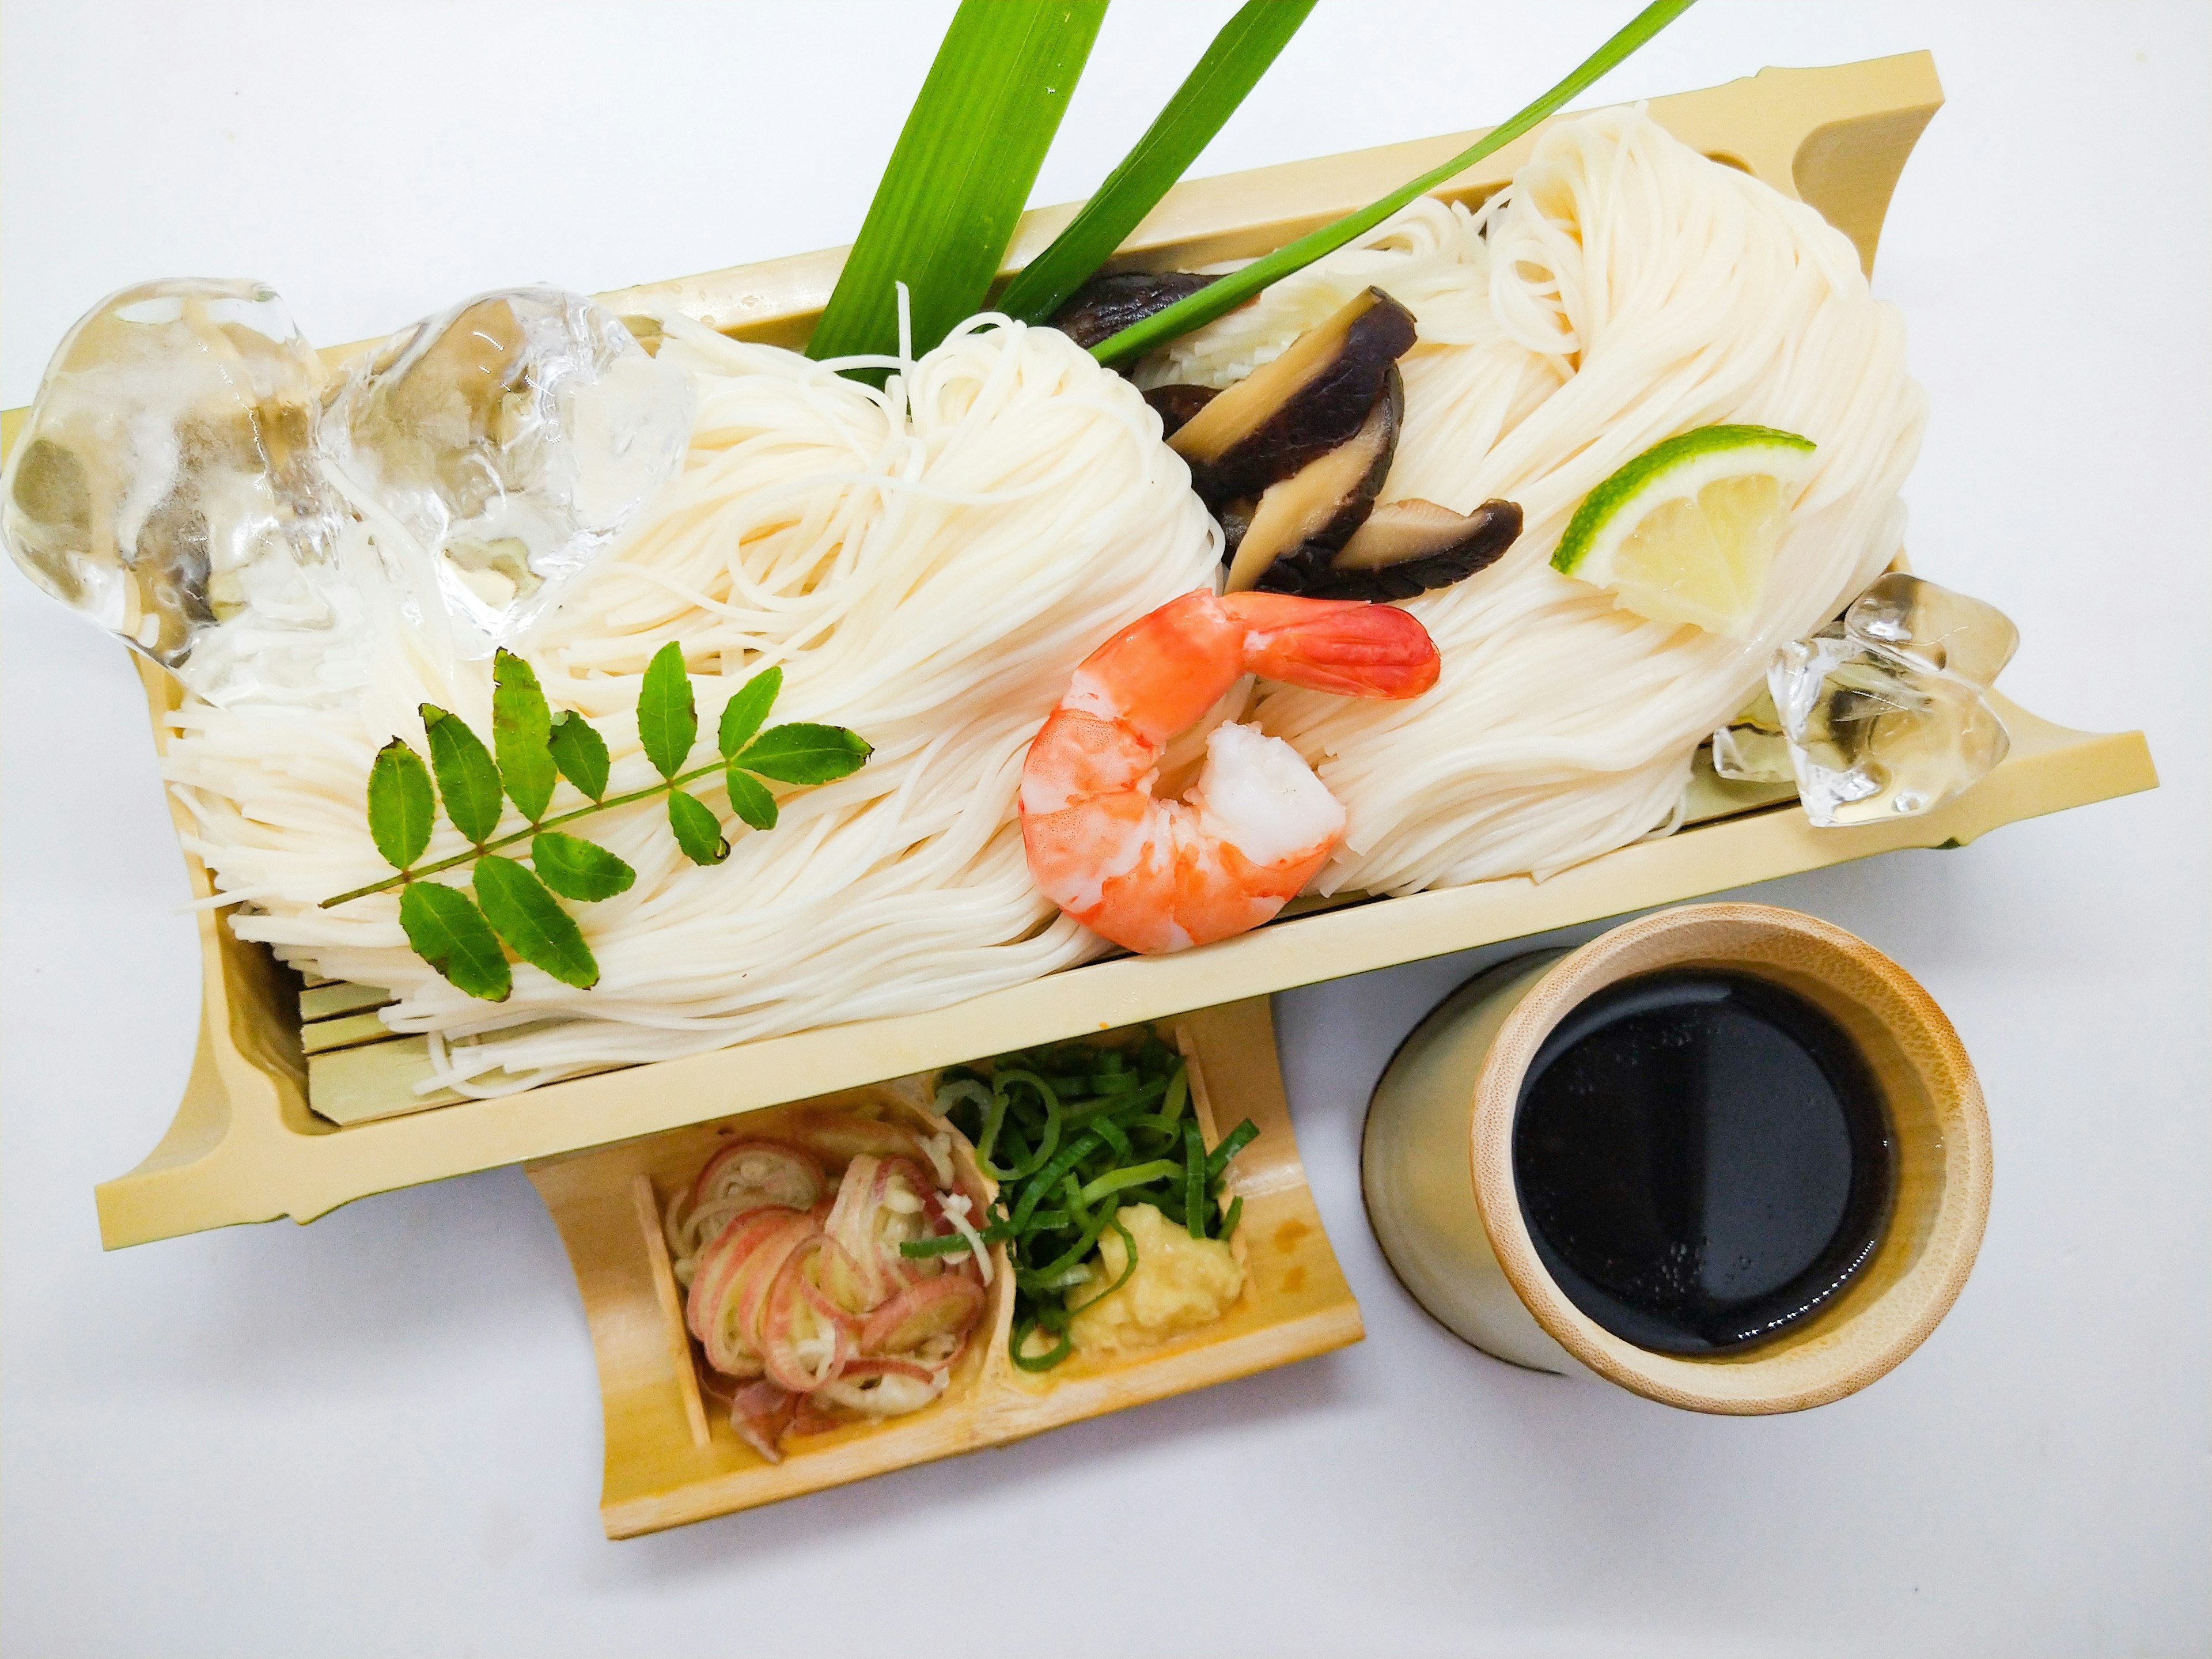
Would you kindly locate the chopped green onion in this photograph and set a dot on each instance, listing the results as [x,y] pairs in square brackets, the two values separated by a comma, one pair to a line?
[992,1118]
[1229,1221]
[1193,1196]
[1136,1174]
[946,1244]
[1049,1141]
[1178,1093]
[1110,1131]
[1231,1144]
[1018,1345]
[1218,298]
[1039,1185]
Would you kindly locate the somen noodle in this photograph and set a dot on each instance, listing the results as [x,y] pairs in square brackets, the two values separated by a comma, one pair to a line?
[928,562]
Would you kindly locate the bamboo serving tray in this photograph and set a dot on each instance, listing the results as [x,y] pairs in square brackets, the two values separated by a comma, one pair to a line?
[299,1101]
[671,1457]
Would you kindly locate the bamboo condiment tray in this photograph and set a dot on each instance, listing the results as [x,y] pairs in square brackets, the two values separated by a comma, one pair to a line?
[673,1458]
[293,1111]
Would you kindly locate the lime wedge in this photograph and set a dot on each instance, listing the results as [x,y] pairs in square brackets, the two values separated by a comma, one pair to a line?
[1686,533]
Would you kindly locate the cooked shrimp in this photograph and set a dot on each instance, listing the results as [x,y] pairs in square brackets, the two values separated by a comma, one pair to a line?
[1160,875]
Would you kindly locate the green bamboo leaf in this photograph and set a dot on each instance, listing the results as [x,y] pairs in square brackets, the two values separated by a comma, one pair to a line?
[532,922]
[750,800]
[401,808]
[1239,56]
[521,730]
[576,868]
[742,714]
[698,832]
[961,173]
[1232,290]
[579,751]
[803,752]
[450,933]
[467,778]
[667,718]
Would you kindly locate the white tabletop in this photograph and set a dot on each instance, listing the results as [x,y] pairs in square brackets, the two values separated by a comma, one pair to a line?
[380,1435]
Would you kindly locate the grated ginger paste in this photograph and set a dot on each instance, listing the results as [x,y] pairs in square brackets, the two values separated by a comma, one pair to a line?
[1180,1283]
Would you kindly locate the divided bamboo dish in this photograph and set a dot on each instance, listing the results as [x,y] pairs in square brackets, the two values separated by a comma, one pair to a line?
[299,1100]
[672,1456]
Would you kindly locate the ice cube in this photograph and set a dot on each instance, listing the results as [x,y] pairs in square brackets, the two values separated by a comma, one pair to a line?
[1752,748]
[165,483]
[514,436]
[1933,628]
[1884,710]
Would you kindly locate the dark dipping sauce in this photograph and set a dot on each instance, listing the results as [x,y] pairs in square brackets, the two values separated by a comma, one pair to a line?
[1703,1159]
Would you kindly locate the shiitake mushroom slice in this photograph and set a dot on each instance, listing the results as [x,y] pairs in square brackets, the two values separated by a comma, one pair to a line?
[1305,518]
[1296,409]
[1404,548]
[1176,404]
[1104,306]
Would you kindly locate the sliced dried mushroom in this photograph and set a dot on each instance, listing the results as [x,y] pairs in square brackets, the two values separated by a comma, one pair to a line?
[1299,407]
[1404,548]
[1308,516]
[1176,404]
[1104,306]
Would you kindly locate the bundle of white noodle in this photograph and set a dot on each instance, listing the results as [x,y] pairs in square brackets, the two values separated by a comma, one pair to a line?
[1621,290]
[927,566]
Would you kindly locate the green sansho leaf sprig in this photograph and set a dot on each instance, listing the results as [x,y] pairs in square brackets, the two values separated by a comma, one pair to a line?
[509,905]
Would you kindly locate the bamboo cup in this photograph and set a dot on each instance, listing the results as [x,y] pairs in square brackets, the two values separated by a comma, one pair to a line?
[1438,1162]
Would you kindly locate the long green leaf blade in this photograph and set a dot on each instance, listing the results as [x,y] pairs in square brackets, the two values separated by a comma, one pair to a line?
[579,751]
[960,174]
[803,752]
[750,800]
[451,934]
[521,733]
[1232,66]
[742,714]
[401,808]
[578,869]
[1232,290]
[466,777]
[668,718]
[698,832]
[531,920]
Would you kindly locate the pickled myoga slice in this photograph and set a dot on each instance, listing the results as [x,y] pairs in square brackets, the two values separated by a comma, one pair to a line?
[827,1301]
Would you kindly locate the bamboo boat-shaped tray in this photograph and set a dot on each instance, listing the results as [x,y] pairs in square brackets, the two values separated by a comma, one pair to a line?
[672,1457]
[300,1100]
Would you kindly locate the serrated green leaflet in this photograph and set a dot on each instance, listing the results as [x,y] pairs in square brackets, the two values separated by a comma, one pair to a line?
[1601,504]
[579,751]
[803,752]
[531,920]
[521,728]
[401,808]
[742,714]
[960,174]
[450,933]
[750,800]
[698,832]
[578,869]
[467,780]
[1239,54]
[1218,298]
[668,718]
[512,902]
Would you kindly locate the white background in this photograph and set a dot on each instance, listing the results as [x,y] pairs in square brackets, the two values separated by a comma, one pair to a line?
[380,1435]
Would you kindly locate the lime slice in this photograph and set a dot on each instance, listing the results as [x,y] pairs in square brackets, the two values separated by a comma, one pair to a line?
[1686,533]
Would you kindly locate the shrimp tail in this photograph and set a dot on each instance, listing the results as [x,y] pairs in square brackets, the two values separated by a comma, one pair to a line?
[1344,646]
